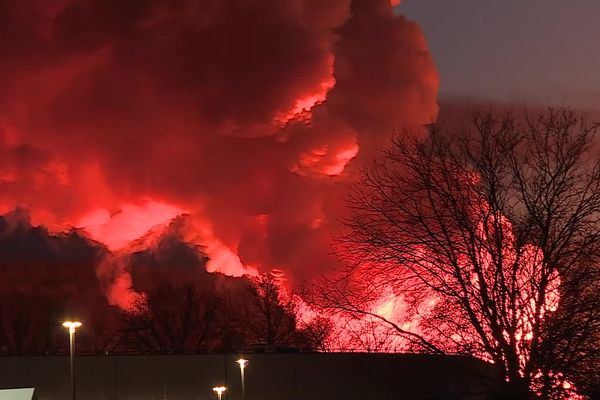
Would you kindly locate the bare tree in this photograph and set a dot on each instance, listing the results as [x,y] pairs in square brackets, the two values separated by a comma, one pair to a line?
[489,235]
[269,314]
[173,319]
[315,334]
[271,317]
[28,324]
[102,333]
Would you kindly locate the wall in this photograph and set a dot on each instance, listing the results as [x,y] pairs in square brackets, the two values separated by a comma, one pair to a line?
[268,376]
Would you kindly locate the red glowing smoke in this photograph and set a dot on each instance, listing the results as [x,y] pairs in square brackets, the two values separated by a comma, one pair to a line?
[248,117]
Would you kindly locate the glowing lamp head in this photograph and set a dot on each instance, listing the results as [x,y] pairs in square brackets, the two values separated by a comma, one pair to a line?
[242,362]
[219,390]
[72,325]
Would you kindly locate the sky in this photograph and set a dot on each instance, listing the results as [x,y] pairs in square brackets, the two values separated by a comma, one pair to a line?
[236,125]
[534,51]
[239,127]
[146,143]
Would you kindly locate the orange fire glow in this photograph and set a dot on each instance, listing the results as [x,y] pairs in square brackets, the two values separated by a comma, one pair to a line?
[303,106]
[392,307]
[252,139]
[129,222]
[326,161]
[223,257]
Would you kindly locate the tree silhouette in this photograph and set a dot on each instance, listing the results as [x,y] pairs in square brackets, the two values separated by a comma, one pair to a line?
[488,237]
[271,318]
[269,313]
[173,320]
[29,324]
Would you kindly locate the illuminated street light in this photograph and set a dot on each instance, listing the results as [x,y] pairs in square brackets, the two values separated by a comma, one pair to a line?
[219,391]
[242,363]
[72,325]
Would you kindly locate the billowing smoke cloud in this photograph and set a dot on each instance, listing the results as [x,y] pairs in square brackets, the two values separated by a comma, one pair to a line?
[248,117]
[46,278]
[33,260]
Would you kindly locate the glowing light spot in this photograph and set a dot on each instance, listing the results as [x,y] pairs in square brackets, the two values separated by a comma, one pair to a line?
[116,279]
[95,218]
[302,107]
[324,161]
[317,222]
[342,158]
[307,103]
[222,257]
[129,222]
[386,309]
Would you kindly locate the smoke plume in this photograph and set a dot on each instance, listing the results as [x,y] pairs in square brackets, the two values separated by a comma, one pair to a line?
[242,121]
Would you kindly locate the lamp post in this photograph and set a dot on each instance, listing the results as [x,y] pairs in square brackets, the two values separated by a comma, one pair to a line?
[219,391]
[242,363]
[72,325]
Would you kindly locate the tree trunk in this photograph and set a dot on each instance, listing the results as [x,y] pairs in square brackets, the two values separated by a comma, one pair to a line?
[517,389]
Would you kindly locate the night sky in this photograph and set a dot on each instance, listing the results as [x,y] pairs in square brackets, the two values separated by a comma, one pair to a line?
[543,52]
[230,176]
[146,142]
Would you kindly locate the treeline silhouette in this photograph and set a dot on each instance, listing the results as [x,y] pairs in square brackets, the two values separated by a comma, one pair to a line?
[47,278]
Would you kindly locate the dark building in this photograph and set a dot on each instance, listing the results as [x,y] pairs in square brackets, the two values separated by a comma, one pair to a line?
[319,376]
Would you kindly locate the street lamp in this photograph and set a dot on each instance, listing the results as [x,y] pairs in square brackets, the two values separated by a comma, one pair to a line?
[219,390]
[242,363]
[72,325]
